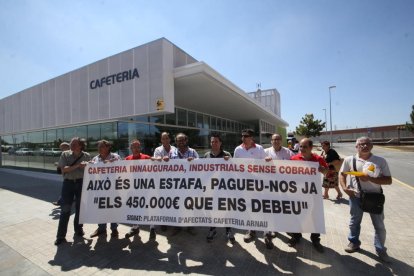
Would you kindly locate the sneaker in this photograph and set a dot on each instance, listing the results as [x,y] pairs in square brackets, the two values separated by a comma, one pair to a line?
[268,241]
[318,246]
[292,242]
[152,235]
[132,232]
[211,235]
[384,256]
[98,233]
[351,248]
[114,233]
[249,236]
[60,241]
[230,237]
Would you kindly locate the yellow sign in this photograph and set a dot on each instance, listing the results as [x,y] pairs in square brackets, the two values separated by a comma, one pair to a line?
[160,104]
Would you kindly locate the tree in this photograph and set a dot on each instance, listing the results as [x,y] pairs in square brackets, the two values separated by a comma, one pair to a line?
[410,126]
[309,127]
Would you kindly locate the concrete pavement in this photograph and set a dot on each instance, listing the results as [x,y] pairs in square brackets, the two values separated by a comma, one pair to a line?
[28,225]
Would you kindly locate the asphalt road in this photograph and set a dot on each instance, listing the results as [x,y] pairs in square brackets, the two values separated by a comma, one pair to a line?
[401,162]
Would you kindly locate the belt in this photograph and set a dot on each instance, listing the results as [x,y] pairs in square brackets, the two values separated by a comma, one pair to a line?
[74,180]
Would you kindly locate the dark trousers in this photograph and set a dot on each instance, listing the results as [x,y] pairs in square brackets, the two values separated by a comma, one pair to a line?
[71,190]
[315,237]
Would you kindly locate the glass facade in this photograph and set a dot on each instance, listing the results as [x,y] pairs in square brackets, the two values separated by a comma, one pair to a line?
[40,149]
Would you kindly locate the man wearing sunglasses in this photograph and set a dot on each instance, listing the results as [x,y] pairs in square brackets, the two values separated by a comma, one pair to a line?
[249,149]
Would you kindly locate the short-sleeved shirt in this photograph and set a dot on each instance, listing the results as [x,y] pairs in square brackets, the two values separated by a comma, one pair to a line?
[282,154]
[314,158]
[111,157]
[255,152]
[222,154]
[140,156]
[161,152]
[188,153]
[67,158]
[331,155]
[367,186]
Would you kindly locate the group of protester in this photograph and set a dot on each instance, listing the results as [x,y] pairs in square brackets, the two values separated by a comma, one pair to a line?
[73,161]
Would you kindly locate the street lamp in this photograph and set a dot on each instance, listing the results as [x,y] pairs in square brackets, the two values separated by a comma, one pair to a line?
[326,123]
[330,109]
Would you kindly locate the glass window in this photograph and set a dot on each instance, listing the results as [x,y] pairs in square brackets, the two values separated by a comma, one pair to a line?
[219,124]
[70,132]
[213,123]
[191,119]
[206,120]
[182,117]
[94,132]
[170,119]
[157,119]
[200,123]
[109,131]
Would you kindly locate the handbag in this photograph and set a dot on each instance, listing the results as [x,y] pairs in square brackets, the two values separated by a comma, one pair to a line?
[370,202]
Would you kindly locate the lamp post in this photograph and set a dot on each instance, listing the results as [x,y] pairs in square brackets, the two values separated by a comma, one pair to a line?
[326,124]
[330,109]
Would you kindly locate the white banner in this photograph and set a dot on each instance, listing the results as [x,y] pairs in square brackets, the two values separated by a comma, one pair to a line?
[283,196]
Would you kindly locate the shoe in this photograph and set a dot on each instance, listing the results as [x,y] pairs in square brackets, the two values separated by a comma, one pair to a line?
[249,236]
[268,241]
[152,235]
[55,203]
[318,246]
[273,234]
[230,237]
[384,256]
[339,196]
[114,233]
[351,248]
[60,241]
[211,235]
[191,231]
[80,233]
[98,233]
[292,242]
[132,232]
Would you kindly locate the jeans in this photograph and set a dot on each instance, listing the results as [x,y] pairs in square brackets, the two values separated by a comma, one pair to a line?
[71,190]
[102,226]
[355,225]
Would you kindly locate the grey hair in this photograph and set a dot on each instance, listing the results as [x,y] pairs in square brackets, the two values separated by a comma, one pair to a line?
[363,138]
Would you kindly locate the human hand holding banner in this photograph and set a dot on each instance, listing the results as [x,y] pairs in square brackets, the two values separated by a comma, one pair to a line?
[242,193]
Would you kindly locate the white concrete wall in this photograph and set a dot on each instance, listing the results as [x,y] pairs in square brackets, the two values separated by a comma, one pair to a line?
[68,99]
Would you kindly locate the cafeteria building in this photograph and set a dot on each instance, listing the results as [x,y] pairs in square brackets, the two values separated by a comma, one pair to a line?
[138,93]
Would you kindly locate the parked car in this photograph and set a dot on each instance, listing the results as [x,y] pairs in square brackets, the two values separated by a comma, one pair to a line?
[24,151]
[52,152]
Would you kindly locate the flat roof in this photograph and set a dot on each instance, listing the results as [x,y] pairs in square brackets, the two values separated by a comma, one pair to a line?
[199,87]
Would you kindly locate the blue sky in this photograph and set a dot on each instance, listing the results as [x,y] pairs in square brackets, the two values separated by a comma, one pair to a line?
[363,47]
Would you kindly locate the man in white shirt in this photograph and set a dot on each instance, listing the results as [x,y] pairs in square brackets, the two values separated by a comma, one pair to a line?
[249,149]
[275,152]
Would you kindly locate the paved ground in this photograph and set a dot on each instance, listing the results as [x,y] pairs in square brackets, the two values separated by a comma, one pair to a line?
[28,225]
